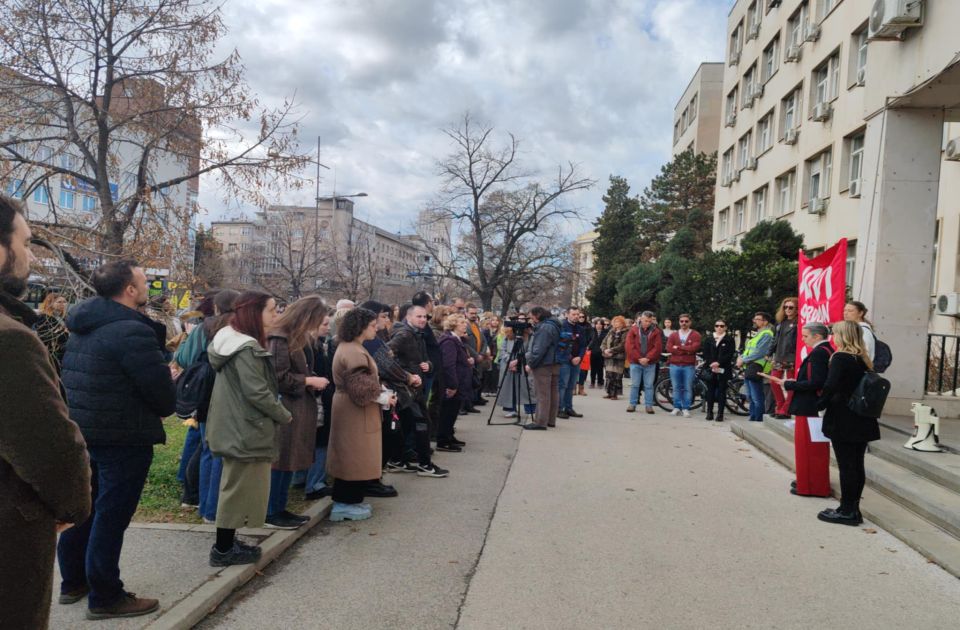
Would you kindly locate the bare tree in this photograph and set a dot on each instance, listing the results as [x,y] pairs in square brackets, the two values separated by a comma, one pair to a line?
[289,258]
[123,101]
[499,208]
[351,268]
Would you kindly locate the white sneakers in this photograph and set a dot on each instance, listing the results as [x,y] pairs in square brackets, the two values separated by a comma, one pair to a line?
[675,412]
[685,413]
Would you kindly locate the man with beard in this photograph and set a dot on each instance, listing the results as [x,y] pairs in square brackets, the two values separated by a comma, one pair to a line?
[44,474]
[119,390]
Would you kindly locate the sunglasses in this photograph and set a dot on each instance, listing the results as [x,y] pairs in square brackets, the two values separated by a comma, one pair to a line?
[789,307]
[719,325]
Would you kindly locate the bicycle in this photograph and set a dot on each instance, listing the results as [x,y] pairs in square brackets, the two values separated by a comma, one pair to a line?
[736,401]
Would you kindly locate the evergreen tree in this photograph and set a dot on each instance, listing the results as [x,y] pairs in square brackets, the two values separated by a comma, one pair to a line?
[615,249]
[680,196]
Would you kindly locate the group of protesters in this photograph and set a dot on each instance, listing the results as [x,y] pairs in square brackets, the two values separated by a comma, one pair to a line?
[301,395]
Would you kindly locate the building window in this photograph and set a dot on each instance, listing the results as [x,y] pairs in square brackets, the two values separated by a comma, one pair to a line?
[753,20]
[45,155]
[40,194]
[749,83]
[15,188]
[765,133]
[797,24]
[67,161]
[692,108]
[736,43]
[819,170]
[732,103]
[789,107]
[826,80]
[826,6]
[66,199]
[785,185]
[856,158]
[683,121]
[851,266]
[759,205]
[723,229]
[858,59]
[89,203]
[739,215]
[726,172]
[676,131]
[771,58]
[743,150]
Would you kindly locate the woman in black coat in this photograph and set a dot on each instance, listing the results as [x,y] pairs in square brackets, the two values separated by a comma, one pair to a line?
[849,431]
[719,353]
[600,331]
[812,458]
[456,376]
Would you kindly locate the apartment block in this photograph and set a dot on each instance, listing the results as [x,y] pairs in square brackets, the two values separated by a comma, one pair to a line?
[696,117]
[838,116]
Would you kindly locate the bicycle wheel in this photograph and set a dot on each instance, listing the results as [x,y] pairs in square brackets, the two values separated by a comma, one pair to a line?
[699,394]
[663,395]
[737,403]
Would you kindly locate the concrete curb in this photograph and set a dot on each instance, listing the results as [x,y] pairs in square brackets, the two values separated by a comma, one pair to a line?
[204,600]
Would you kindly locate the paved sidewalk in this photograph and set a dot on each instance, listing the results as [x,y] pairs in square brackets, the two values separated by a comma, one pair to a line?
[625,520]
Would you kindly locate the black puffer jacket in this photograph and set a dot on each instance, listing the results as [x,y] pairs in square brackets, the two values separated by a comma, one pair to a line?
[118,384]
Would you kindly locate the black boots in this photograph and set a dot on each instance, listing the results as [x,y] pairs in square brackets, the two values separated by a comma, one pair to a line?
[709,412]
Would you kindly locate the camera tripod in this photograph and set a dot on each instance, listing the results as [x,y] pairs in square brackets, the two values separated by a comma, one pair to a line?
[517,353]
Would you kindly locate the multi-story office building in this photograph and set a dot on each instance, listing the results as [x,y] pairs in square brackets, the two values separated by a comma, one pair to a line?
[837,118]
[583,267]
[696,117]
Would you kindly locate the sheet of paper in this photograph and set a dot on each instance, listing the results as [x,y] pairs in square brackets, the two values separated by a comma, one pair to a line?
[815,425]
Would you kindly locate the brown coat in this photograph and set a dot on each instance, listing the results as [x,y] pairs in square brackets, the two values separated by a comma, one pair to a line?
[297,440]
[44,470]
[354,450]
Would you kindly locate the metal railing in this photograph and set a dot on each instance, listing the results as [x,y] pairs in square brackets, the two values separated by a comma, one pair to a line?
[943,360]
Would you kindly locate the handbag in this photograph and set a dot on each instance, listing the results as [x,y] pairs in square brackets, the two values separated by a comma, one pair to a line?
[751,371]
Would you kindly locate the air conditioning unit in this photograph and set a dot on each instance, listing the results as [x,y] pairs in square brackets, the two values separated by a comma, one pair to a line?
[812,33]
[731,119]
[890,18]
[793,54]
[753,32]
[855,185]
[818,206]
[822,111]
[790,136]
[757,90]
[725,181]
[948,304]
[735,177]
[862,76]
[747,100]
[953,150]
[734,58]
[751,165]
[733,241]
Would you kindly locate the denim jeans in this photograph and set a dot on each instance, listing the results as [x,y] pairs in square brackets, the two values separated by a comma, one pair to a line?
[647,374]
[89,554]
[210,469]
[757,400]
[190,445]
[317,475]
[681,377]
[569,374]
[279,491]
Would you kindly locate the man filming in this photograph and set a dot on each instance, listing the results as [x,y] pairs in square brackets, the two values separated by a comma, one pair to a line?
[542,364]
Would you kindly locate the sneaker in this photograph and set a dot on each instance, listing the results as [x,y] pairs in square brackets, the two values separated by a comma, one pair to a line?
[686,413]
[649,409]
[510,414]
[209,521]
[129,605]
[410,467]
[189,505]
[393,466]
[449,447]
[562,414]
[631,408]
[74,596]
[279,521]
[239,554]
[297,517]
[350,512]
[675,412]
[431,470]
[574,414]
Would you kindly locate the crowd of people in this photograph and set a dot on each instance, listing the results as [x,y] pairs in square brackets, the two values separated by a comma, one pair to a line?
[300,395]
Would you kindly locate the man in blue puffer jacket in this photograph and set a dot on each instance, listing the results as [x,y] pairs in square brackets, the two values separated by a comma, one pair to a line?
[118,390]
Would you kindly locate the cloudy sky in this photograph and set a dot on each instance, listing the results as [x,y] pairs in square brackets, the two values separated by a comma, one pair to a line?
[588,81]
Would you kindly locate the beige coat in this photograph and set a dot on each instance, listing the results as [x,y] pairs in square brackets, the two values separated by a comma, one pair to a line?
[354,450]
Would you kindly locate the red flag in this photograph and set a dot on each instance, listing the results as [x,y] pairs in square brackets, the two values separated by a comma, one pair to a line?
[823,289]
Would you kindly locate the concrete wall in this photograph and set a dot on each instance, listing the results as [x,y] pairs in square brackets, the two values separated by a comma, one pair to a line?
[700,132]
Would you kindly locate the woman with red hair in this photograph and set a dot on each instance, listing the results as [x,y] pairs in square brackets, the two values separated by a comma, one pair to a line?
[242,421]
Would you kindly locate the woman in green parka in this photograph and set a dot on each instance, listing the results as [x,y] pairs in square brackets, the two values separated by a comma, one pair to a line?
[244,412]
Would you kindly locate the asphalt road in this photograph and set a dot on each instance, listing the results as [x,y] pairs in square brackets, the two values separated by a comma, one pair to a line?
[615,520]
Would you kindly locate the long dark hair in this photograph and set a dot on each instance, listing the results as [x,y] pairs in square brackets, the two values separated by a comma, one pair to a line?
[247,315]
[300,320]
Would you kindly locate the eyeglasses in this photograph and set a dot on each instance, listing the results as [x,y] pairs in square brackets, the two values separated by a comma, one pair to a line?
[789,307]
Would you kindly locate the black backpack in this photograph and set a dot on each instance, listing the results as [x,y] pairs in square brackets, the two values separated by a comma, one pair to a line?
[882,356]
[194,388]
[869,396]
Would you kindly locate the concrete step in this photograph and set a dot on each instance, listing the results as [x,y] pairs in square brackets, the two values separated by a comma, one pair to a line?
[927,483]
[936,543]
